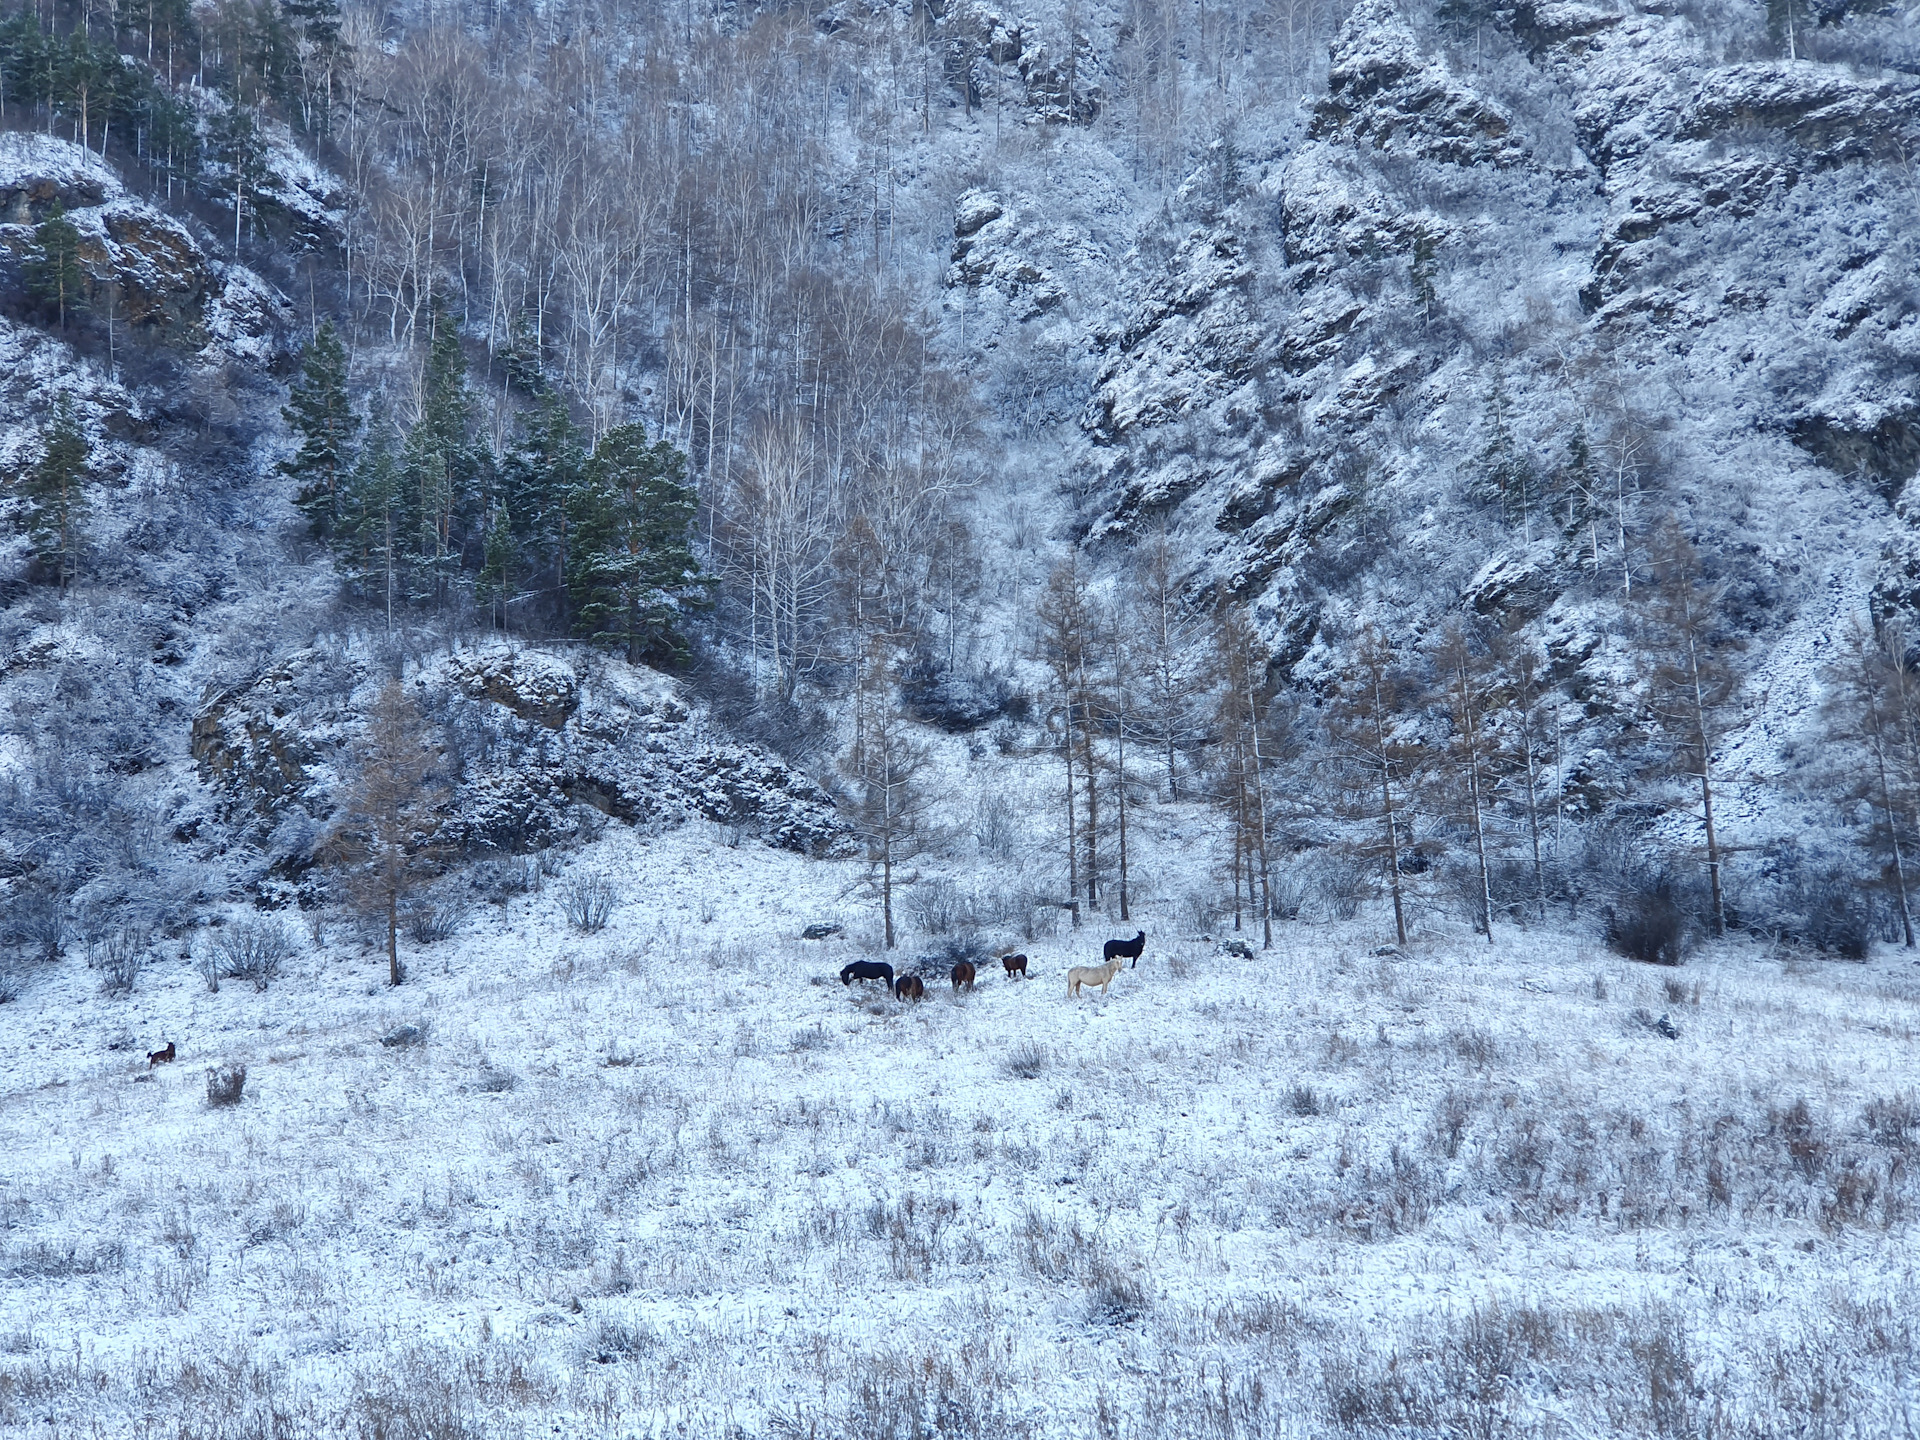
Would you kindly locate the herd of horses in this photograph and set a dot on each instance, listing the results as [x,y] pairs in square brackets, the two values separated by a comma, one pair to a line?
[963,974]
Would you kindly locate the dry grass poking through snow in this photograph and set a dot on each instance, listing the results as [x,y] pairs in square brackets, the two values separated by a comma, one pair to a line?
[658,1181]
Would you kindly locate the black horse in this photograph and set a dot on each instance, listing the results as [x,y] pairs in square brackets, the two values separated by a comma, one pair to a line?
[1127,949]
[867,970]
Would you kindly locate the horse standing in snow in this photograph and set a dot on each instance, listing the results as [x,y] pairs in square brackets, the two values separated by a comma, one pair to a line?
[867,970]
[910,987]
[963,974]
[1016,966]
[1101,975]
[1126,949]
[160,1057]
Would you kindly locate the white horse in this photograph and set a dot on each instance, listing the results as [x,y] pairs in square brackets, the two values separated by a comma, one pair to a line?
[1101,975]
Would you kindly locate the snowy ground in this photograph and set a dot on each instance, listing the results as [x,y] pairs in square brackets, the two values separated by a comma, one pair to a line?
[674,1179]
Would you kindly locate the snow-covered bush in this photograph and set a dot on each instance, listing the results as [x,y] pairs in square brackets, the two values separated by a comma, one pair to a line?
[119,957]
[590,901]
[251,950]
[1647,928]
[433,918]
[224,1084]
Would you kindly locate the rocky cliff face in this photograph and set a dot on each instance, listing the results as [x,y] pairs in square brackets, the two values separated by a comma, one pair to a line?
[534,747]
[1624,230]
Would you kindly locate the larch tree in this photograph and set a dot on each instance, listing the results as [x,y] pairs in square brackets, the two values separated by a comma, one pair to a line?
[1525,694]
[383,842]
[1167,637]
[1241,716]
[1691,679]
[1068,646]
[1466,679]
[1373,698]
[1873,703]
[886,771]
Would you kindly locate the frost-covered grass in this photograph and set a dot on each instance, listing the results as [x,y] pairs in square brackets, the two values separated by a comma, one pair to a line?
[673,1178]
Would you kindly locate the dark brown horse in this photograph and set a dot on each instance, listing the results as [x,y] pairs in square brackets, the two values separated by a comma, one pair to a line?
[160,1057]
[910,987]
[1016,966]
[963,975]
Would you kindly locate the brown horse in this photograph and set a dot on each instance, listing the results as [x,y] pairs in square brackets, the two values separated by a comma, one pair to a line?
[1016,966]
[963,975]
[910,987]
[160,1057]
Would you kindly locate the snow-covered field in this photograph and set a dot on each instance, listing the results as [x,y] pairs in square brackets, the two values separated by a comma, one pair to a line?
[672,1178]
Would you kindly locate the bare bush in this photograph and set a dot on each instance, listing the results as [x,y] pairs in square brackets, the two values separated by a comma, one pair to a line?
[1647,928]
[119,957]
[937,906]
[590,901]
[224,1084]
[1026,1062]
[36,920]
[252,950]
[434,918]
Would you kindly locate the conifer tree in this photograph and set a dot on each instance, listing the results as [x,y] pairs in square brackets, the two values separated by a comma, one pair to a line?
[1465,672]
[544,463]
[493,587]
[632,569]
[441,468]
[1692,678]
[319,409]
[52,271]
[1365,717]
[384,841]
[371,531]
[892,806]
[1874,703]
[55,496]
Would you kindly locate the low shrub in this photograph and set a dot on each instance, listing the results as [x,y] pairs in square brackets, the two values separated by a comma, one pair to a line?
[119,958]
[224,1084]
[1647,928]
[590,902]
[252,950]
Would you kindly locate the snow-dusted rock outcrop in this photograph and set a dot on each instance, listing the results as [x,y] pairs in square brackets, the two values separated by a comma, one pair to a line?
[144,270]
[527,739]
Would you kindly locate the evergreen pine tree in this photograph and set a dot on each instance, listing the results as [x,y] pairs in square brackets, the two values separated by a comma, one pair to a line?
[632,569]
[371,527]
[318,408]
[494,586]
[544,463]
[55,494]
[52,270]
[441,468]
[1503,473]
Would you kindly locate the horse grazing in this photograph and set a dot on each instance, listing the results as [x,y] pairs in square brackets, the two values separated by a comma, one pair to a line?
[867,970]
[910,987]
[1101,975]
[1016,966]
[1126,949]
[160,1057]
[963,975]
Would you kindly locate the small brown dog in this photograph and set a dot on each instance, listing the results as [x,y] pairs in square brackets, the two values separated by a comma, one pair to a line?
[160,1057]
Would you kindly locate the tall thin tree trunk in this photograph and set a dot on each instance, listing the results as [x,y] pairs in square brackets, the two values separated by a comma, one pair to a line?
[1893,832]
[394,976]
[1386,808]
